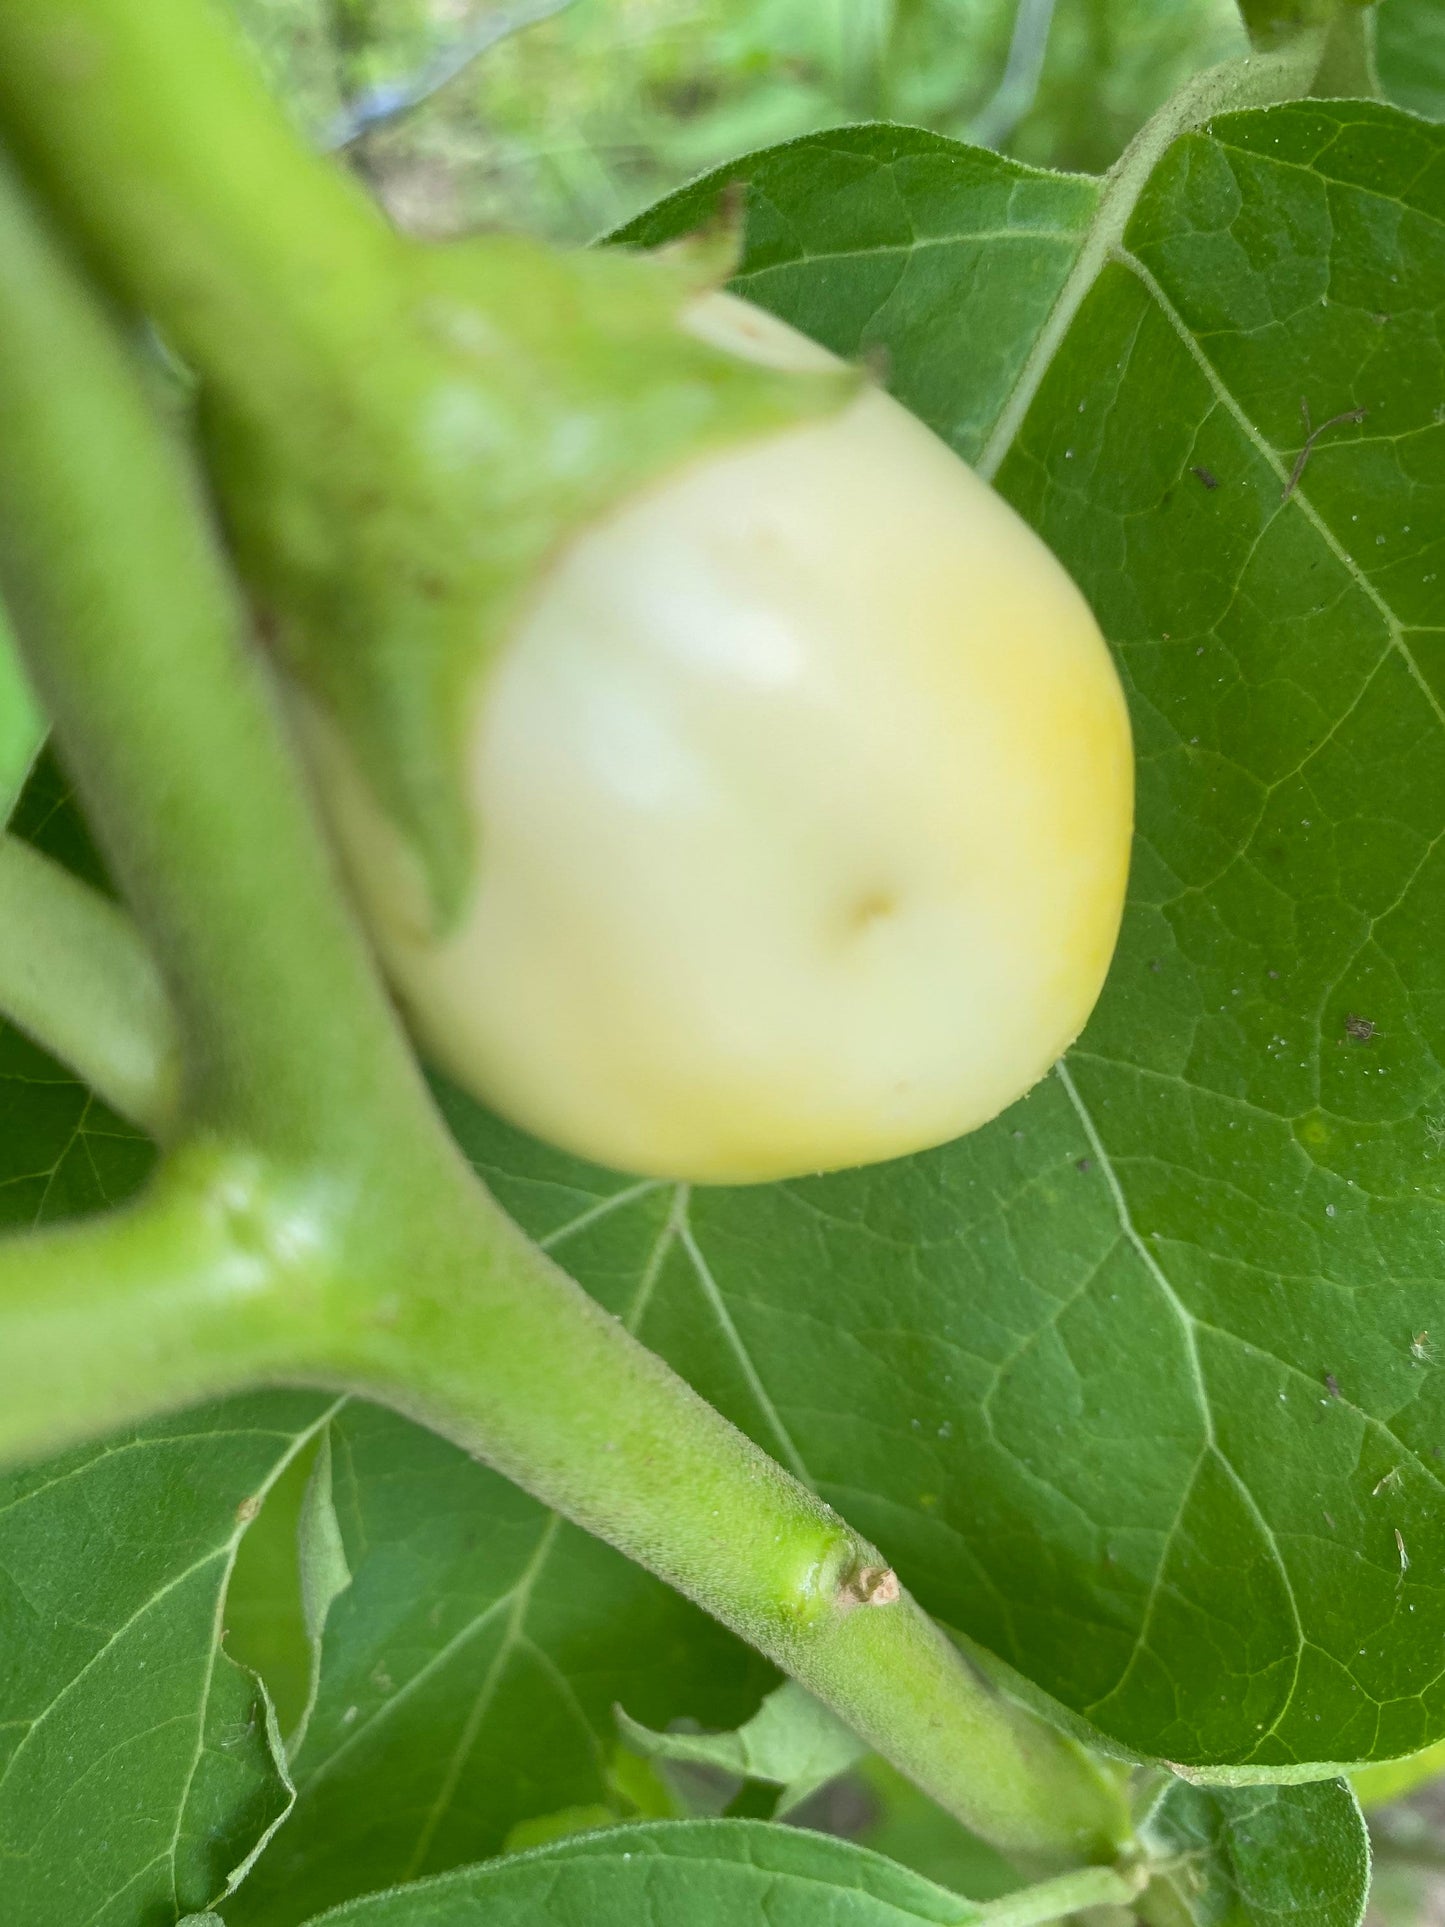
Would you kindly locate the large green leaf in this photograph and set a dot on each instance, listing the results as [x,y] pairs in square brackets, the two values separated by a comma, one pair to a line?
[1136,1385]
[1243,1856]
[727,1873]
[139,1767]
[1252,1857]
[469,1670]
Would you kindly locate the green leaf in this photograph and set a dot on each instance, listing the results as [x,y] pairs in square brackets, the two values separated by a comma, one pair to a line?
[265,1623]
[468,1672]
[946,259]
[728,1873]
[139,1767]
[324,1573]
[1260,1857]
[1410,53]
[1136,1386]
[792,1741]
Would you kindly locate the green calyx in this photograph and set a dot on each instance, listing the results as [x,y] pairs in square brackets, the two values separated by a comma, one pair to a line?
[392,527]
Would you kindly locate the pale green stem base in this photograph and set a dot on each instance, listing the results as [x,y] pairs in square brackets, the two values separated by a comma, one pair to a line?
[170,1299]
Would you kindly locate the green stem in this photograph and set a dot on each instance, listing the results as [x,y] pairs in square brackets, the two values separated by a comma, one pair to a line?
[228,1275]
[21,729]
[152,133]
[136,647]
[76,977]
[1389,1780]
[1346,63]
[1071,1893]
[172,1299]
[1347,68]
[475,1332]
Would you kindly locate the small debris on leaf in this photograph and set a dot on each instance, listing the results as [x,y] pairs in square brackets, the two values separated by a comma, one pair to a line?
[1312,435]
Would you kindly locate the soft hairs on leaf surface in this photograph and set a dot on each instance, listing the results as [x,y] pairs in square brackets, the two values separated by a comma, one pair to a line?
[1296,1856]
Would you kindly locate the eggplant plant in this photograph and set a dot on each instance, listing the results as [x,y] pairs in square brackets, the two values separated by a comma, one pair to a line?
[635,1289]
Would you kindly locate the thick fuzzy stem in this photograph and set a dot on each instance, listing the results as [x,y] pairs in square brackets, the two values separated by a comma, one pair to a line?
[135,642]
[153,135]
[174,1298]
[490,1344]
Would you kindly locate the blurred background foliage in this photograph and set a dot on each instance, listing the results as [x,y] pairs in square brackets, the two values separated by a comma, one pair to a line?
[583,112]
[578,121]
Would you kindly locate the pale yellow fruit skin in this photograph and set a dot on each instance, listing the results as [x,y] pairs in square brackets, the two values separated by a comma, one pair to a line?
[805,792]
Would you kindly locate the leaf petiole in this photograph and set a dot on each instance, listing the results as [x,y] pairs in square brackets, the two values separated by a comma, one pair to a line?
[76,976]
[1069,1893]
